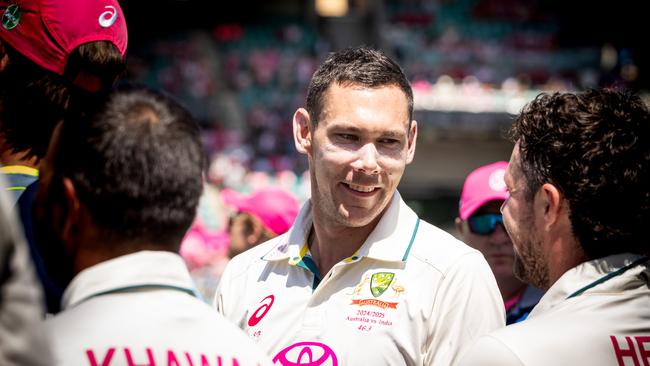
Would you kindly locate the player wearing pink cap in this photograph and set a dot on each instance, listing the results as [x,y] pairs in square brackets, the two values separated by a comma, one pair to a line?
[359,279]
[54,55]
[480,225]
[260,216]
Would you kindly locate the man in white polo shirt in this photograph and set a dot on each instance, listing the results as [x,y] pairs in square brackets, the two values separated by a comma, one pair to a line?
[579,207]
[119,188]
[359,279]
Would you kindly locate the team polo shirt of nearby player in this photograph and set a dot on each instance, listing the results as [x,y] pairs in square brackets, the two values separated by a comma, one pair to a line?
[597,313]
[140,309]
[19,177]
[411,295]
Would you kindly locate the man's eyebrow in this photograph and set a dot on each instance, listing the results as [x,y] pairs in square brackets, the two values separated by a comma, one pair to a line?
[395,134]
[350,127]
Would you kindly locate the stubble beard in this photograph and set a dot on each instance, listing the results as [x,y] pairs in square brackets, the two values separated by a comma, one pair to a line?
[529,264]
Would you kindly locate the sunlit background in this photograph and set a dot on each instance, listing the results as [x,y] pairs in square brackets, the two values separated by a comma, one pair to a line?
[242,67]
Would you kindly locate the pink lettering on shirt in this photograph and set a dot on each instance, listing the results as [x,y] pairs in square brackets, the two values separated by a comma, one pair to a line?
[129,358]
[623,353]
[136,358]
[645,352]
[105,361]
[171,359]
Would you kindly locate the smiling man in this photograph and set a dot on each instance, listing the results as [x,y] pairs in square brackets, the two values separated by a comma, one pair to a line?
[359,279]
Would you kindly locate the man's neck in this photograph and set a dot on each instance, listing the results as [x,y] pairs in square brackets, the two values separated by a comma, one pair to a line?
[566,253]
[330,244]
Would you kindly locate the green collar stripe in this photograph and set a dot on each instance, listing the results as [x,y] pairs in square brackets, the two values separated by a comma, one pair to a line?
[609,276]
[144,287]
[308,264]
[408,249]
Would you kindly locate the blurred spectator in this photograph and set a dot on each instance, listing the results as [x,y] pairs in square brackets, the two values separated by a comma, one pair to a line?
[258,217]
[205,247]
[480,225]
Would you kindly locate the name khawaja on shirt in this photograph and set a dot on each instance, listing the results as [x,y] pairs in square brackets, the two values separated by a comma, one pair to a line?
[171,358]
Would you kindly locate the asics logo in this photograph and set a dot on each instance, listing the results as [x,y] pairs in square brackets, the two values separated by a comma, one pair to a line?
[108,18]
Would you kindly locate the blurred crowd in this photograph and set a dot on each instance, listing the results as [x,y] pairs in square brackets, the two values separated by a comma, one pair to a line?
[243,81]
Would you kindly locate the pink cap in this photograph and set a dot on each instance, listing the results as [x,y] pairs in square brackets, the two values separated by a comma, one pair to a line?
[483,185]
[47,31]
[275,207]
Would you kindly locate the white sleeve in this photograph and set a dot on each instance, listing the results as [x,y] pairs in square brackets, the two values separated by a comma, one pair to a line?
[223,290]
[468,305]
[489,351]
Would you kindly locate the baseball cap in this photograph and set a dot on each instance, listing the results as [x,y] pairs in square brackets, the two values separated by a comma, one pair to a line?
[275,207]
[47,31]
[483,185]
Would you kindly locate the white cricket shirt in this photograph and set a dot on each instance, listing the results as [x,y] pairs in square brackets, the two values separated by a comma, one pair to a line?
[607,324]
[139,309]
[411,295]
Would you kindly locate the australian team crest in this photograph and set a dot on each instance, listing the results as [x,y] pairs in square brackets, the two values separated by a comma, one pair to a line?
[379,282]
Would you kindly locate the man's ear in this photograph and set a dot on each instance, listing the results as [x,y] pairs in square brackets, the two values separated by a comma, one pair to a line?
[73,213]
[412,138]
[549,204]
[302,133]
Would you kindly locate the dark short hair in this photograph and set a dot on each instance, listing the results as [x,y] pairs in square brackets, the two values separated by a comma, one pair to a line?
[34,99]
[595,147]
[356,66]
[136,161]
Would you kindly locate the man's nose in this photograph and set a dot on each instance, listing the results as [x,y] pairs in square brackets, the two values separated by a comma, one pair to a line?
[366,160]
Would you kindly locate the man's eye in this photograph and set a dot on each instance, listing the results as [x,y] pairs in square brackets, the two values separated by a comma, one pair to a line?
[389,142]
[346,137]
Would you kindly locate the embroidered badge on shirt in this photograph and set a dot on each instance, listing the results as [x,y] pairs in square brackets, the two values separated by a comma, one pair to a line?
[379,282]
[369,309]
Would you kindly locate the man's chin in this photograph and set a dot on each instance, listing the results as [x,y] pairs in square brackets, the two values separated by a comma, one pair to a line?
[354,221]
[355,216]
[519,270]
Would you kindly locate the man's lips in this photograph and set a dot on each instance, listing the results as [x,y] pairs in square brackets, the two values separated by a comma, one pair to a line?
[363,190]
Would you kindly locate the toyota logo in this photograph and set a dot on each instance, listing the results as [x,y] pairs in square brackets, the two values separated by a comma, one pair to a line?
[306,354]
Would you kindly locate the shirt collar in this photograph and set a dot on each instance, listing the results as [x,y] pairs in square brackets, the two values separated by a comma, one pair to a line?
[588,272]
[138,269]
[391,239]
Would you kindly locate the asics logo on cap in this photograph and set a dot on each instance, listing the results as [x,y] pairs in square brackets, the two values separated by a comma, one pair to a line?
[496,180]
[108,18]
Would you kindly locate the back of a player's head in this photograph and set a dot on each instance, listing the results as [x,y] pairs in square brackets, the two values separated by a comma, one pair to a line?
[59,51]
[594,146]
[359,66]
[136,163]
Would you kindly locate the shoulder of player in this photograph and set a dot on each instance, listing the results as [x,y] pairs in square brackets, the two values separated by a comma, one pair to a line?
[440,250]
[253,257]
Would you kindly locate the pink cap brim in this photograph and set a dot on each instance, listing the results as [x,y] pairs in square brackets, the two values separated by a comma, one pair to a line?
[471,207]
